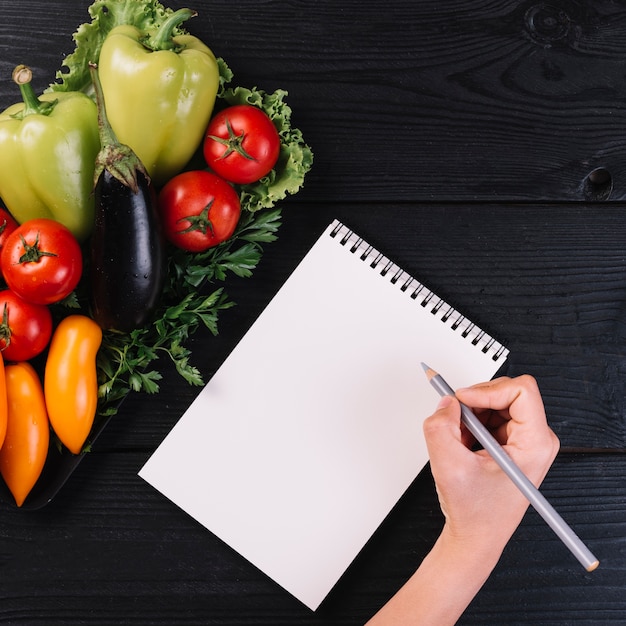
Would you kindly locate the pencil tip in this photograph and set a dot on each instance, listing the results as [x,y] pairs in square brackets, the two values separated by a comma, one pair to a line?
[430,373]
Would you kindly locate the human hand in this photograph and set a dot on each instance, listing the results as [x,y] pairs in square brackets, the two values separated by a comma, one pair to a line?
[481,504]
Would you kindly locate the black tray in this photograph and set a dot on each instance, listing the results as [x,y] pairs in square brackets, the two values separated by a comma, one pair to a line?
[59,466]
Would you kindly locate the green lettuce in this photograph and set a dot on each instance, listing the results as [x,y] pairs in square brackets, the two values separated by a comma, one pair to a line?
[295,158]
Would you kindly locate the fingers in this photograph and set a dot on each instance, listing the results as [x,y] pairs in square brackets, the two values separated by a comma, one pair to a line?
[444,424]
[511,407]
[517,398]
[517,404]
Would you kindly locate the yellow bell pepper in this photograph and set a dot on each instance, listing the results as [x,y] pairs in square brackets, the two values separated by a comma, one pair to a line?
[48,147]
[159,91]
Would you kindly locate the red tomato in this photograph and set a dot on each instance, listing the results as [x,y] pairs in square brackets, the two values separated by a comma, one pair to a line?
[25,328]
[7,225]
[198,210]
[241,144]
[42,261]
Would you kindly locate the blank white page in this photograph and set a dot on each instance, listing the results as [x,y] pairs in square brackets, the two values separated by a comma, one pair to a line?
[311,430]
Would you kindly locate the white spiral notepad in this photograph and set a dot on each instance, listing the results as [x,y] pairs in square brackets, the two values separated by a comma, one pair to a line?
[311,430]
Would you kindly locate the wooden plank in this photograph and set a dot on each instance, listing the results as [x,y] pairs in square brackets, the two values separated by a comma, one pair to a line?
[537,580]
[112,549]
[465,101]
[427,121]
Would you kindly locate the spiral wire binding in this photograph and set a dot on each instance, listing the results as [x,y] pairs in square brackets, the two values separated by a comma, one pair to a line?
[418,292]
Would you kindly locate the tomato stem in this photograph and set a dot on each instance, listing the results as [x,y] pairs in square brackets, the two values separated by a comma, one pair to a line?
[33,254]
[199,222]
[234,143]
[5,328]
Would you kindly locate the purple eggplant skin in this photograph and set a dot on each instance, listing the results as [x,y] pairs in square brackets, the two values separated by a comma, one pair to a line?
[127,259]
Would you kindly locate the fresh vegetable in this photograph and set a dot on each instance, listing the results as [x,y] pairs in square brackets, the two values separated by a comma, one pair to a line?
[146,15]
[295,159]
[198,210]
[130,361]
[70,379]
[25,447]
[127,361]
[160,90]
[25,329]
[241,144]
[3,402]
[127,265]
[7,225]
[48,146]
[42,261]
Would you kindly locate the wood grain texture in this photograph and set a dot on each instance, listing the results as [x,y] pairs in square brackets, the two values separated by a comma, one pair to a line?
[455,100]
[458,138]
[109,550]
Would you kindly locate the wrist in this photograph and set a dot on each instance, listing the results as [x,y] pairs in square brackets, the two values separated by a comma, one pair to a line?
[448,578]
[479,551]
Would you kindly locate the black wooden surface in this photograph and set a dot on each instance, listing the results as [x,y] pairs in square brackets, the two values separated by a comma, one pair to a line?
[464,139]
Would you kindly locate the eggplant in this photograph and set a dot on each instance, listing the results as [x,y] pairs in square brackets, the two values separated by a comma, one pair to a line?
[127,261]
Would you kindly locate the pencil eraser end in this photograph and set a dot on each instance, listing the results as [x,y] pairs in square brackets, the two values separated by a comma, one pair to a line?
[593,566]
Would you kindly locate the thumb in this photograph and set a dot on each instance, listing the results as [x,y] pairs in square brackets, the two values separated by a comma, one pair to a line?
[443,428]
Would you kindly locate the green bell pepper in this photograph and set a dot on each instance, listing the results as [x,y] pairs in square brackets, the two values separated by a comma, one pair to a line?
[159,90]
[48,147]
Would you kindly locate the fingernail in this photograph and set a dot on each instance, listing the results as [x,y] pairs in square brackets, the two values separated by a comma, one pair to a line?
[444,402]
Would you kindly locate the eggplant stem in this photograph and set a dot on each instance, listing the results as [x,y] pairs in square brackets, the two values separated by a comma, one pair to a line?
[116,158]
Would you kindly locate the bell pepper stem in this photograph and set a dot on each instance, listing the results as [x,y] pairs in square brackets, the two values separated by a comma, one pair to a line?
[22,77]
[163,39]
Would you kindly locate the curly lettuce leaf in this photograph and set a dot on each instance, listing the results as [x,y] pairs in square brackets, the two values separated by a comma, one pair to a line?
[146,15]
[296,157]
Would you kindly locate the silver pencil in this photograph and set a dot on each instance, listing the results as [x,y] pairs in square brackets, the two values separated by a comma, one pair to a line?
[534,496]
